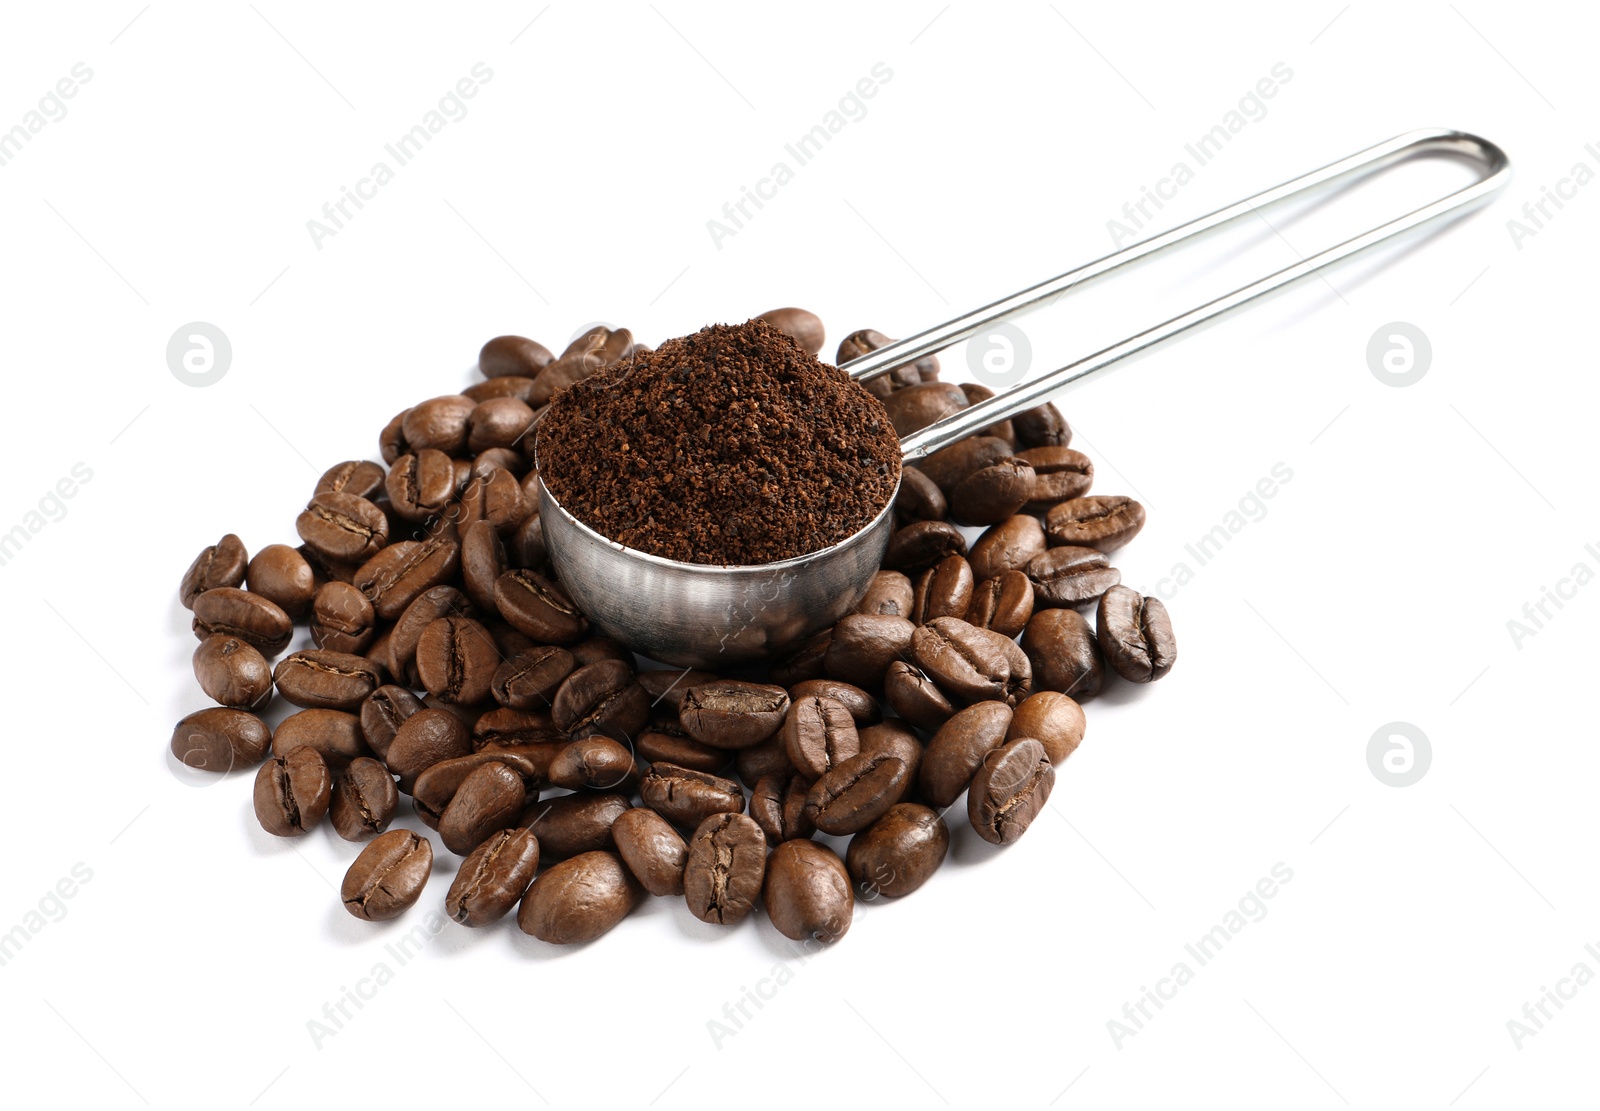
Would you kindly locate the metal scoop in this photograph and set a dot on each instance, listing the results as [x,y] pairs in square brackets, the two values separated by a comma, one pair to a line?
[699,615]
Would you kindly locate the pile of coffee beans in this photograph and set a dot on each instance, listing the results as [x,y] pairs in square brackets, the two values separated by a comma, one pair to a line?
[447,665]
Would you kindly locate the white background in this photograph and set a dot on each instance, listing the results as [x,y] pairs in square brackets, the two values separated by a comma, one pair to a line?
[1376,588]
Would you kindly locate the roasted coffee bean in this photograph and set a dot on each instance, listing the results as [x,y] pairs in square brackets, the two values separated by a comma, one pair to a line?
[594,648]
[314,677]
[864,709]
[1000,430]
[686,797]
[1064,654]
[579,899]
[596,763]
[859,343]
[219,564]
[943,590]
[778,804]
[1052,719]
[499,422]
[494,497]
[434,788]
[1059,473]
[424,610]
[488,800]
[598,347]
[1007,546]
[856,793]
[919,498]
[992,494]
[958,750]
[972,663]
[1102,521]
[439,424]
[1135,634]
[1070,576]
[1042,427]
[805,327]
[567,825]
[456,660]
[1003,604]
[803,661]
[1009,791]
[818,734]
[652,850]
[667,688]
[602,697]
[292,792]
[896,854]
[343,527]
[219,740]
[603,344]
[510,641]
[730,713]
[664,738]
[727,863]
[915,407]
[392,440]
[507,385]
[948,466]
[382,714]
[359,477]
[423,740]
[506,355]
[770,757]
[807,894]
[421,485]
[335,734]
[502,458]
[915,697]
[229,611]
[387,878]
[493,878]
[396,576]
[920,545]
[894,738]
[363,801]
[890,595]
[325,570]
[483,561]
[342,620]
[517,728]
[232,672]
[280,574]
[530,679]
[539,607]
[864,645]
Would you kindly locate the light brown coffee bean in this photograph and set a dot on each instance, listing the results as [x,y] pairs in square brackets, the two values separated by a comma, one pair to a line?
[219,740]
[1135,634]
[805,327]
[314,677]
[292,793]
[896,854]
[819,733]
[281,575]
[363,801]
[1052,719]
[335,734]
[1101,521]
[579,899]
[1003,604]
[217,565]
[807,894]
[958,750]
[1010,790]
[652,850]
[229,611]
[594,763]
[727,864]
[1007,546]
[387,878]
[233,673]
[493,877]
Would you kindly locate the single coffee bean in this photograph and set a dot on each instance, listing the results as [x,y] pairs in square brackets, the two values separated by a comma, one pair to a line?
[525,546]
[597,763]
[915,697]
[948,466]
[919,498]
[494,497]
[730,713]
[506,355]
[439,424]
[1052,719]
[219,564]
[507,385]
[1059,474]
[363,800]
[567,825]
[1042,427]
[920,545]
[456,660]
[890,595]
[993,493]
[958,750]
[344,527]
[493,877]
[281,575]
[360,477]
[488,800]
[421,485]
[505,458]
[667,688]
[915,407]
[382,714]
[539,607]
[770,757]
[292,792]
[943,590]
[896,854]
[778,804]
[518,728]
[434,789]
[894,738]
[970,663]
[594,648]
[1001,430]
[229,611]
[424,610]
[1064,654]
[342,620]
[1003,603]
[602,698]
[802,661]
[232,672]
[805,327]
[530,679]
[1101,521]
[500,422]
[392,440]
[864,645]
[856,793]
[686,797]
[1009,790]
[1070,576]
[483,561]
[1007,546]
[818,734]
[652,850]
[423,740]
[219,740]
[1135,634]
[387,878]
[864,709]
[314,677]
[396,576]
[808,894]
[579,899]
[335,735]
[727,863]
[664,739]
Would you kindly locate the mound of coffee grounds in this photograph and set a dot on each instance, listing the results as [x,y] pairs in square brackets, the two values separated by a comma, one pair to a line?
[730,446]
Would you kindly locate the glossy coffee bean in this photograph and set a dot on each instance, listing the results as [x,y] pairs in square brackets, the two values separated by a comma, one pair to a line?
[864,645]
[943,590]
[387,878]
[805,327]
[343,527]
[1042,427]
[424,610]
[667,688]
[483,561]
[363,800]
[494,497]
[423,740]
[456,660]
[1070,576]
[1051,718]
[601,698]
[1000,429]
[778,804]
[438,424]
[992,494]
[913,695]
[420,485]
[896,854]
[652,850]
[579,899]
[819,733]
[392,440]
[292,792]
[315,677]
[731,713]
[359,477]
[1135,634]
[230,611]
[686,797]
[335,734]
[859,343]
[382,714]
[864,709]
[801,661]
[538,607]
[1003,604]
[808,894]
[567,825]
[1007,546]
[219,564]
[219,740]
[498,422]
[593,763]
[504,727]
[396,576]
[856,793]
[664,738]
[970,663]
[889,595]
[770,757]
[1064,653]
[727,864]
[919,498]
[488,800]
[894,738]
[233,673]
[1101,521]
[1010,790]
[948,466]
[493,878]
[513,355]
[920,545]
[281,575]
[915,407]
[342,620]
[530,679]
[507,385]
[1059,474]
[958,749]
[435,788]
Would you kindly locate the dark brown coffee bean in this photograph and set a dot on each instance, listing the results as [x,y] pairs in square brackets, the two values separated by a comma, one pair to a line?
[770,757]
[280,574]
[436,787]
[1042,427]
[864,645]
[483,561]
[603,698]
[292,792]
[396,576]
[314,677]
[595,763]
[382,714]
[567,825]
[890,595]
[859,343]
[1102,521]
[819,733]
[915,407]
[494,497]
[387,878]
[920,545]
[686,797]
[530,679]
[1135,634]
[805,327]
[1009,791]
[803,661]
[232,672]
[456,660]
[504,458]
[808,895]
[652,850]
[919,498]
[421,485]
[392,440]
[598,347]
[499,422]
[1003,604]
[1007,546]
[506,355]
[342,620]
[915,697]
[439,424]
[424,610]
[896,854]
[335,734]
[667,688]
[727,863]
[1001,430]
[539,607]
[856,793]
[359,477]
[594,648]
[343,527]
[958,749]
[1064,654]
[579,899]
[992,494]
[730,713]
[1059,473]
[423,740]
[517,728]
[493,878]
[943,590]
[664,738]
[948,466]
[508,385]
[488,800]
[1070,576]
[970,663]
[1052,719]
[229,611]
[219,564]
[219,740]
[863,707]
[324,570]
[363,801]
[778,804]
[894,738]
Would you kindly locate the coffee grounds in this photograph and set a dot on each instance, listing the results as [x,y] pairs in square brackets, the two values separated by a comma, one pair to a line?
[730,446]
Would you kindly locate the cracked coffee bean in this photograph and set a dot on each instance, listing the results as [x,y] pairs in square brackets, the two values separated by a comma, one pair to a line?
[727,863]
[387,878]
[1009,790]
[1135,634]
